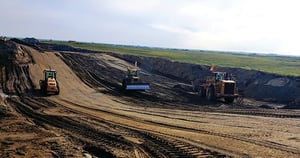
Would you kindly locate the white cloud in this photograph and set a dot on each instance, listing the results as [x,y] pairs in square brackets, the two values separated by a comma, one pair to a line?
[172,29]
[242,25]
[133,6]
[263,26]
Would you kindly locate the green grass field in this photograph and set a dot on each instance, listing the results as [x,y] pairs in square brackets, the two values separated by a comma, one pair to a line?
[289,66]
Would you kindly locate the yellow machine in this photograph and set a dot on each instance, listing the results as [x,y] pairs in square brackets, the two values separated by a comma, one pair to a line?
[132,80]
[49,84]
[217,85]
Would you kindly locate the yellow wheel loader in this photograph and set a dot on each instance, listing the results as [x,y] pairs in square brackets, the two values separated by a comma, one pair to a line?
[218,85]
[49,85]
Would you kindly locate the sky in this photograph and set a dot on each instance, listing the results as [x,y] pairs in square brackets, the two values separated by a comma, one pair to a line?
[260,26]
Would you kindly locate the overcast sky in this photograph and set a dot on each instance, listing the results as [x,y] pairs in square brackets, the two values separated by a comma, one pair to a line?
[263,26]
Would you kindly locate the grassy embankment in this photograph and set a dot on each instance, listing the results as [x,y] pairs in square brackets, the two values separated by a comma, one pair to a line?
[289,66]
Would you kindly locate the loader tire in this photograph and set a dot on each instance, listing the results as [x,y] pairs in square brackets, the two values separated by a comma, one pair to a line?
[57,93]
[202,92]
[229,100]
[43,87]
[210,94]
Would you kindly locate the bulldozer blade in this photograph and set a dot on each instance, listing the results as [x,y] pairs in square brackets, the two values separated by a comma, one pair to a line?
[137,87]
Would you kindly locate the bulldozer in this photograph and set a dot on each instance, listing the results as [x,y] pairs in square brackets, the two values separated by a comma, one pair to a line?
[49,84]
[132,80]
[219,85]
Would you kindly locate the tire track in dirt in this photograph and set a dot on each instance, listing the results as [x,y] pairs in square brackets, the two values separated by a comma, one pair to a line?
[156,141]
[154,145]
[74,113]
[268,144]
[265,113]
[92,138]
[243,112]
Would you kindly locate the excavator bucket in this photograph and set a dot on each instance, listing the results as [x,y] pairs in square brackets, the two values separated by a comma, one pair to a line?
[137,86]
[130,84]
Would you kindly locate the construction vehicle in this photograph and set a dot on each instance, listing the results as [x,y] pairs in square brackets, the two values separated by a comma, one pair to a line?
[132,80]
[218,85]
[50,83]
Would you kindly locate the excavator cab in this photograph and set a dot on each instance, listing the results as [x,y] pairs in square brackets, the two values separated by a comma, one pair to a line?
[132,73]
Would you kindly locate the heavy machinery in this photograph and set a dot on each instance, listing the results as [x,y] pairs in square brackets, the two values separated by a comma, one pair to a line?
[49,84]
[218,85]
[132,80]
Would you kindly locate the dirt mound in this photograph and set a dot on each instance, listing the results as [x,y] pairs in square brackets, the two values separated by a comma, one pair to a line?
[14,51]
[15,57]
[253,84]
[110,71]
[61,47]
[3,106]
[31,40]
[21,68]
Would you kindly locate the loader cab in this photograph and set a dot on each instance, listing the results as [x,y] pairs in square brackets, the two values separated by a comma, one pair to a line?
[218,76]
[224,85]
[50,74]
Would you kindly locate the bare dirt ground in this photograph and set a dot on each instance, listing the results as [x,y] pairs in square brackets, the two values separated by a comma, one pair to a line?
[92,117]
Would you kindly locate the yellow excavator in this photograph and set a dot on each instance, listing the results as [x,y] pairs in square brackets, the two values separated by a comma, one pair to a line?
[50,83]
[132,80]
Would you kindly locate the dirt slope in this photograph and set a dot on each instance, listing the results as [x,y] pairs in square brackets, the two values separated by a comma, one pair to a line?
[92,117]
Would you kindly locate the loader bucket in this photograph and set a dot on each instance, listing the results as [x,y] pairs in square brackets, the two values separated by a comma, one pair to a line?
[137,86]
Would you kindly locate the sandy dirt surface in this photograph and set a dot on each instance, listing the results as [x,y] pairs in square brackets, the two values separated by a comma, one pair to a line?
[93,117]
